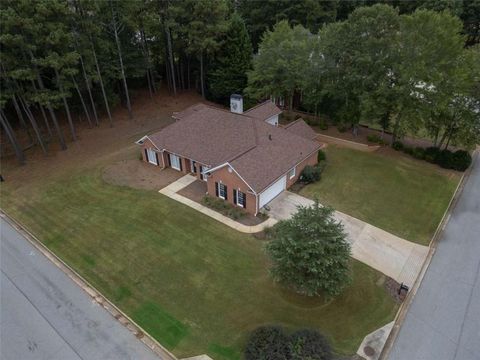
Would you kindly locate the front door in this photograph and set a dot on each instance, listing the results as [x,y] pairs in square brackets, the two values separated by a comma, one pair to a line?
[175,162]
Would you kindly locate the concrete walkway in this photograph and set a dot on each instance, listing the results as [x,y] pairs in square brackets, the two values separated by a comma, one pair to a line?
[395,257]
[172,189]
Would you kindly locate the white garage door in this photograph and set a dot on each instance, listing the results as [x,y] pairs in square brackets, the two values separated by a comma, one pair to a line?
[273,190]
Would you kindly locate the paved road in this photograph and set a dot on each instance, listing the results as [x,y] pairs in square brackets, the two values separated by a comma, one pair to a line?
[44,315]
[443,322]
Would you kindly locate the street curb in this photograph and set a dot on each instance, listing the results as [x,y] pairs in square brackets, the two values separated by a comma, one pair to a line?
[96,295]
[402,311]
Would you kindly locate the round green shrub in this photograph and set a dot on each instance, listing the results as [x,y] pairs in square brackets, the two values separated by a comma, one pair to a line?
[267,343]
[461,160]
[445,159]
[311,174]
[397,145]
[321,156]
[418,153]
[431,154]
[309,344]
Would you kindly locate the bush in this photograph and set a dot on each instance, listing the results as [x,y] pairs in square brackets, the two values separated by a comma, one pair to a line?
[407,150]
[445,159]
[461,160]
[397,145]
[431,154]
[342,128]
[321,156]
[374,138]
[267,343]
[309,344]
[418,153]
[223,207]
[272,343]
[311,174]
[323,125]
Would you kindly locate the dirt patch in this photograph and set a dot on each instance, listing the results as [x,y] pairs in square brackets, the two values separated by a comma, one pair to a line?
[139,175]
[98,145]
[391,286]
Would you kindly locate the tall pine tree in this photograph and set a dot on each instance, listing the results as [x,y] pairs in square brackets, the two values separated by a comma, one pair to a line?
[228,73]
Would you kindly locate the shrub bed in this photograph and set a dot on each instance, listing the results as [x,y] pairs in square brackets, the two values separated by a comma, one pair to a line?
[374,138]
[223,207]
[272,342]
[459,160]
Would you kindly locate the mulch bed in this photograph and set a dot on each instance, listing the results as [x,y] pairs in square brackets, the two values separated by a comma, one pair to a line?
[391,286]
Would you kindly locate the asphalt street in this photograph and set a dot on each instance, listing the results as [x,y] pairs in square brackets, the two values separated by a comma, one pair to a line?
[45,315]
[443,321]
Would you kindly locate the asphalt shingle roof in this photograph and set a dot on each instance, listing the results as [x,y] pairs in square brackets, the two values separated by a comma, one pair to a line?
[258,151]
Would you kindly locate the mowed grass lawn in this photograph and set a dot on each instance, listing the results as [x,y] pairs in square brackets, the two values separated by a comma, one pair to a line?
[194,284]
[395,193]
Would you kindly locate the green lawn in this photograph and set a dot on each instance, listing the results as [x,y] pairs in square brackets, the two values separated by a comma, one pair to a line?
[395,193]
[194,284]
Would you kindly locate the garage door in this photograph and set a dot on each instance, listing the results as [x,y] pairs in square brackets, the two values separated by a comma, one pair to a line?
[273,190]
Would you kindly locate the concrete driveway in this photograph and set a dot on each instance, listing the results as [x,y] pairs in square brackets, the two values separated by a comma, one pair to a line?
[395,257]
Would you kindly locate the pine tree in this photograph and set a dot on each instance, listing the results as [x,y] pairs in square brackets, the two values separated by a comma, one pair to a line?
[229,70]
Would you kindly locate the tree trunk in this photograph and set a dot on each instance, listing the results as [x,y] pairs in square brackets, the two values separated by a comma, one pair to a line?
[89,90]
[85,110]
[120,58]
[20,117]
[188,73]
[34,124]
[42,110]
[13,139]
[50,109]
[147,61]
[170,55]
[105,99]
[65,104]
[201,75]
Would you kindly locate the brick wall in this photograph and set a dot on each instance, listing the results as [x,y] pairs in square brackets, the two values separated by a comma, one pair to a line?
[232,181]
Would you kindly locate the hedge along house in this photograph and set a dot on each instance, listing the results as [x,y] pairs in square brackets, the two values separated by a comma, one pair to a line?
[243,158]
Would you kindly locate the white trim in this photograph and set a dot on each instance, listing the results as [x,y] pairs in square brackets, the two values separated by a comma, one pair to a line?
[152,156]
[172,156]
[218,190]
[236,172]
[236,198]
[290,177]
[142,142]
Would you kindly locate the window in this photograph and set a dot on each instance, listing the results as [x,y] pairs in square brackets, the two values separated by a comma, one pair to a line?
[291,173]
[152,157]
[175,162]
[194,167]
[240,198]
[222,191]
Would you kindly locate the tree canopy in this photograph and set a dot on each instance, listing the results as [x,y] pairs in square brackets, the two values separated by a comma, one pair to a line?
[310,253]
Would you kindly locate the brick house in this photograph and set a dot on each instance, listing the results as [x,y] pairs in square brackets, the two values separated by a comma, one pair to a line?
[244,157]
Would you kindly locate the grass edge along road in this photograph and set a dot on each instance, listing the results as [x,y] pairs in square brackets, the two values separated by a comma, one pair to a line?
[193,284]
[403,196]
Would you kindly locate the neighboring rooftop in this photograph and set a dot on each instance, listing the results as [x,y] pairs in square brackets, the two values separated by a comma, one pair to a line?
[264,111]
[301,128]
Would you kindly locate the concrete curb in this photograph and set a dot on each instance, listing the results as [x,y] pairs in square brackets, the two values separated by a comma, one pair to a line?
[402,311]
[96,295]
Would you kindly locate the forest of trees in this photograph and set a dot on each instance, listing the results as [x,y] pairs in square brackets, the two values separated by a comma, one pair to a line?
[65,61]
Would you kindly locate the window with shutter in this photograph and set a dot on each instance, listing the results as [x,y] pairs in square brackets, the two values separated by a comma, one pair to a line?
[221,191]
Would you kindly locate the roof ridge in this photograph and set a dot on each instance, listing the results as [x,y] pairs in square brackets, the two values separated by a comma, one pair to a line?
[258,105]
[226,110]
[293,122]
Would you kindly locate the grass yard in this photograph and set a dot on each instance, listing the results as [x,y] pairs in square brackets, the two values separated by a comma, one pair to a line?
[194,284]
[398,194]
